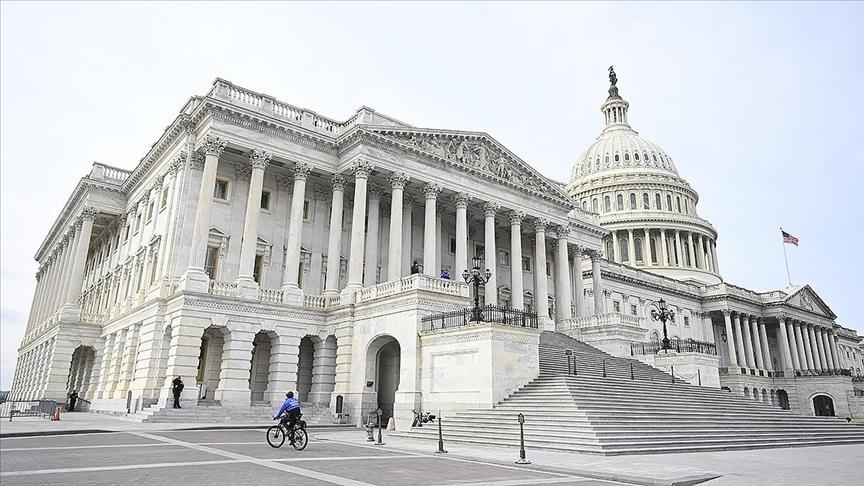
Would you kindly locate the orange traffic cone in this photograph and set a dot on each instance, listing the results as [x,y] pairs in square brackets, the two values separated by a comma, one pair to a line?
[56,414]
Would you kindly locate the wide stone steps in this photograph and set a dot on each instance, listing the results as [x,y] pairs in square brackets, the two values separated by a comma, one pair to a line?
[217,414]
[619,415]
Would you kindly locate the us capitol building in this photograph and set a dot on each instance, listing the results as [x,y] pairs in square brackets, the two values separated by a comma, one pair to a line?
[259,247]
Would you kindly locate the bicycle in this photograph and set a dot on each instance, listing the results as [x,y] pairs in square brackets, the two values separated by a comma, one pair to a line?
[277,433]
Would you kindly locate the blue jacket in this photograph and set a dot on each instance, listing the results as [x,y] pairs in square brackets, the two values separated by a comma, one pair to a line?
[289,404]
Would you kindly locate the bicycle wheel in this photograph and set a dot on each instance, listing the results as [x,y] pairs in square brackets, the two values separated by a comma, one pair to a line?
[300,439]
[275,436]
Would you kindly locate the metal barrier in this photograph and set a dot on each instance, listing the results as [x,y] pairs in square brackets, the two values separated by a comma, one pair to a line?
[491,313]
[677,345]
[27,408]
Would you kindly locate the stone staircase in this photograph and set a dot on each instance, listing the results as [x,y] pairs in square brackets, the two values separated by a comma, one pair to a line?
[212,412]
[618,415]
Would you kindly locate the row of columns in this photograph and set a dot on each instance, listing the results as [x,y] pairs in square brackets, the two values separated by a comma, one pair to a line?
[700,250]
[31,374]
[747,341]
[807,346]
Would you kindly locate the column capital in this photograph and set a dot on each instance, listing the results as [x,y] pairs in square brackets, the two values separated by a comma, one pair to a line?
[594,255]
[337,182]
[726,312]
[461,199]
[398,180]
[562,231]
[431,190]
[374,192]
[408,200]
[157,183]
[177,163]
[243,172]
[516,217]
[490,208]
[259,159]
[214,145]
[540,225]
[575,251]
[301,170]
[362,168]
[197,161]
[89,213]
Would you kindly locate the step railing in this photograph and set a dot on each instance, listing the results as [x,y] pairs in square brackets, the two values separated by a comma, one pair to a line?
[588,365]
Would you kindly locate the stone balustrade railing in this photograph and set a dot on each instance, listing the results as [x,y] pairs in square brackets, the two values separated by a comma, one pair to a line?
[315,301]
[271,296]
[268,105]
[105,172]
[91,318]
[413,282]
[223,289]
[610,319]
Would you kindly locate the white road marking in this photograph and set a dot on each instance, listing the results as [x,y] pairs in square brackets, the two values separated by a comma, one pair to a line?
[67,470]
[519,482]
[329,478]
[344,458]
[59,448]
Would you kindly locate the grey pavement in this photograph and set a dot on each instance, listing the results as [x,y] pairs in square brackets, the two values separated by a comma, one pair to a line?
[232,457]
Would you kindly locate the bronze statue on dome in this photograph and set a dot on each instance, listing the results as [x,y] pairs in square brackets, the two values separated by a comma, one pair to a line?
[613,79]
[613,89]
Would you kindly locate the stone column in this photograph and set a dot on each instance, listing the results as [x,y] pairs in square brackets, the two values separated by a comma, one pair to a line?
[805,344]
[766,351]
[291,291]
[578,282]
[563,273]
[829,358]
[596,283]
[810,346]
[63,272]
[76,280]
[233,387]
[517,298]
[541,287]
[167,244]
[491,292]
[361,169]
[785,352]
[53,288]
[631,249]
[32,317]
[664,249]
[407,234]
[678,253]
[127,362]
[461,262]
[373,218]
[105,366]
[245,280]
[757,343]
[799,346]
[835,353]
[616,251]
[743,359]
[646,248]
[818,351]
[116,362]
[691,254]
[323,371]
[730,338]
[334,239]
[430,235]
[714,256]
[394,251]
[195,278]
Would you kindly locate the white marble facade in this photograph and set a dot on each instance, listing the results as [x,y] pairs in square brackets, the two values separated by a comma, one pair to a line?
[259,247]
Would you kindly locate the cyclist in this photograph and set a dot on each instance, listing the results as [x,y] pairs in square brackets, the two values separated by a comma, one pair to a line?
[290,413]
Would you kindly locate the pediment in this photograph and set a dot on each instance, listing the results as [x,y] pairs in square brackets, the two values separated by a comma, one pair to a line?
[480,154]
[806,298]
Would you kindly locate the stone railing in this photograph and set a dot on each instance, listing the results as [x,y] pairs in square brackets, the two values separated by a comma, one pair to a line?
[267,105]
[223,289]
[315,301]
[611,319]
[271,296]
[413,282]
[104,172]
[91,318]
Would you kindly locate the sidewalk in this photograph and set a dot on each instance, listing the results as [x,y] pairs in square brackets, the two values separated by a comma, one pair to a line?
[828,465]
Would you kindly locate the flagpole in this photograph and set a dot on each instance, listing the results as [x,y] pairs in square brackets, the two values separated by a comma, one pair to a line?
[785,258]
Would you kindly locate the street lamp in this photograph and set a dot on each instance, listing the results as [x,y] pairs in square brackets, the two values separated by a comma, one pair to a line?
[476,278]
[660,312]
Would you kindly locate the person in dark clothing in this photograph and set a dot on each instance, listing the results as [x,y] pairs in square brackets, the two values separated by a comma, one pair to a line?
[177,388]
[289,413]
[415,268]
[73,398]
[445,275]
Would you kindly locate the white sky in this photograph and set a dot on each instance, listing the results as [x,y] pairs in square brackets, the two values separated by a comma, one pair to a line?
[758,104]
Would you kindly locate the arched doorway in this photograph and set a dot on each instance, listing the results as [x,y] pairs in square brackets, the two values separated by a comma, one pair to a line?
[783,399]
[305,361]
[259,369]
[823,406]
[80,371]
[383,365]
[210,362]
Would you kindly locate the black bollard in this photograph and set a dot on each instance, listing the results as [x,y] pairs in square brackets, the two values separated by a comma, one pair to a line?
[440,437]
[672,368]
[522,460]
[632,376]
[380,413]
[604,368]
[699,376]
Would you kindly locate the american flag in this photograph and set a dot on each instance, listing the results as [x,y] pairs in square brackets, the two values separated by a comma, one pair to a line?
[787,238]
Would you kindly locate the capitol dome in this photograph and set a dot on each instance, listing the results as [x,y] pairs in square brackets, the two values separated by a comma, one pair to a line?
[650,210]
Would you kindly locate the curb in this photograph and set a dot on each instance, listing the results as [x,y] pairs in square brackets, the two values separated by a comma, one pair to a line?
[48,433]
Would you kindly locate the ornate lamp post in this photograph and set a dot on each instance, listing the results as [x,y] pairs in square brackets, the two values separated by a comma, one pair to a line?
[476,278]
[661,312]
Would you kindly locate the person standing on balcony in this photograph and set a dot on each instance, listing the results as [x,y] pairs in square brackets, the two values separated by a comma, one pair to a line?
[415,268]
[445,275]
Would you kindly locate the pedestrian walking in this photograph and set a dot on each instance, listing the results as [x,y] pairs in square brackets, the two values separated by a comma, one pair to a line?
[177,388]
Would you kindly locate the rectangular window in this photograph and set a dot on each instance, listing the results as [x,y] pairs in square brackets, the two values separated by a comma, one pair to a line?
[220,191]
[616,305]
[150,209]
[452,245]
[126,234]
[548,269]
[265,200]
[633,309]
[154,267]
[256,271]
[138,223]
[164,201]
[211,261]
[306,210]
[503,258]
[686,321]
[526,264]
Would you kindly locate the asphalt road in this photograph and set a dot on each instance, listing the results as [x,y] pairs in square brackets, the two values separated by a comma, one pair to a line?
[234,457]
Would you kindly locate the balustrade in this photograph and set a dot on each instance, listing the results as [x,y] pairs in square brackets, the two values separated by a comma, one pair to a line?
[271,296]
[223,289]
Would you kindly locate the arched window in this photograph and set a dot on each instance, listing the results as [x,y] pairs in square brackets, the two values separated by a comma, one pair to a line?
[655,336]
[617,158]
[646,201]
[657,201]
[652,243]
[637,248]
[746,392]
[669,202]
[619,202]
[632,201]
[655,157]
[636,155]
[595,205]
[606,160]
[607,204]
[679,203]
[610,253]
[626,157]
[687,205]
[623,250]
[584,205]
[597,163]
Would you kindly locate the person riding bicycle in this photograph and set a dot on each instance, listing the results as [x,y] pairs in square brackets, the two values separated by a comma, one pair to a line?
[290,413]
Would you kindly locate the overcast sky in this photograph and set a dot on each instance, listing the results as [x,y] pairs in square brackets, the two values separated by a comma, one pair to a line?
[758,104]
